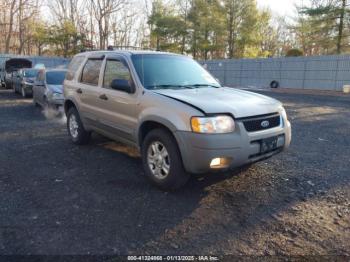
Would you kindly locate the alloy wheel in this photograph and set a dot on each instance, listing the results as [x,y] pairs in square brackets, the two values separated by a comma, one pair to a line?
[73,126]
[158,160]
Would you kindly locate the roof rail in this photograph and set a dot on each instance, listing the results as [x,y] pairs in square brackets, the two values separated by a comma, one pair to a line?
[136,48]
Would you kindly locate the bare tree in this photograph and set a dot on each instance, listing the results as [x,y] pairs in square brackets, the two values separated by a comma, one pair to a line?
[28,9]
[103,11]
[12,11]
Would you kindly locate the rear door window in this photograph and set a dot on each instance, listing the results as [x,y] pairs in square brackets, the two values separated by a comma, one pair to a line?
[74,66]
[91,72]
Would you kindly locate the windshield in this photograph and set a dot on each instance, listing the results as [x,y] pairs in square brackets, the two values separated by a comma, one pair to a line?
[55,77]
[158,71]
[30,73]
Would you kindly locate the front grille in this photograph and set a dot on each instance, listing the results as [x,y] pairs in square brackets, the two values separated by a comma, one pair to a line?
[262,123]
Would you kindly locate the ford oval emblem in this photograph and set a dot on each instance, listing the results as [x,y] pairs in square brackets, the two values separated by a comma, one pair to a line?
[265,124]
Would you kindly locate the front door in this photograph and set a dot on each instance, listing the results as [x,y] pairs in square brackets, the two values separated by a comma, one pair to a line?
[118,108]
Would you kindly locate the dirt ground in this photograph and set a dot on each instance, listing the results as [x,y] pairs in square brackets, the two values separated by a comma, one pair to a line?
[57,198]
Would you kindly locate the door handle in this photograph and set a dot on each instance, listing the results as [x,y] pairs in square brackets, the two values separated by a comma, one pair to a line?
[79,91]
[103,97]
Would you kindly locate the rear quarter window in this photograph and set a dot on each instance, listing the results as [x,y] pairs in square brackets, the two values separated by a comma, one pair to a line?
[73,67]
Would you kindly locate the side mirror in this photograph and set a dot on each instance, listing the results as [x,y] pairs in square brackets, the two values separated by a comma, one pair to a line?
[122,85]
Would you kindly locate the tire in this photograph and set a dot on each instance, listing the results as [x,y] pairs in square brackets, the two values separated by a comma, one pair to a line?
[274,84]
[176,176]
[78,134]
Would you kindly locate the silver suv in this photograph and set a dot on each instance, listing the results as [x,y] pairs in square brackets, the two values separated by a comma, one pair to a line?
[178,115]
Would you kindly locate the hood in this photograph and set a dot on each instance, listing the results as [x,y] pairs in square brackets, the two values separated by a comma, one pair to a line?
[14,64]
[225,100]
[56,88]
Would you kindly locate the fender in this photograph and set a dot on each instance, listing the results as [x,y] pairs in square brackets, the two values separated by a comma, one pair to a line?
[72,101]
[154,118]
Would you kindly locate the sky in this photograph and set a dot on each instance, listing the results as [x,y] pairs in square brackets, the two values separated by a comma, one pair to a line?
[281,7]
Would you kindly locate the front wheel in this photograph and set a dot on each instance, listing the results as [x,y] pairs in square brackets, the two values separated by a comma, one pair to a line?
[76,129]
[162,160]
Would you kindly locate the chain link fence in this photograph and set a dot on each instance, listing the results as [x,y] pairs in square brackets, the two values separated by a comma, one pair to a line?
[321,73]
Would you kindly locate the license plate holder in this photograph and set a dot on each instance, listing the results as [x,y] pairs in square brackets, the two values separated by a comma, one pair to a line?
[268,145]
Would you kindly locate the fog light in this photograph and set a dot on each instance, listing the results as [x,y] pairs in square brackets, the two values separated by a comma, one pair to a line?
[220,162]
[215,162]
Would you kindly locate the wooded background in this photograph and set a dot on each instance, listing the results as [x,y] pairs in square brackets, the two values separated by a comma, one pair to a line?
[205,29]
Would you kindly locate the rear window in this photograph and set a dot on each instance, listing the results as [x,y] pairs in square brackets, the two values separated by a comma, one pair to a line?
[74,66]
[55,77]
[91,72]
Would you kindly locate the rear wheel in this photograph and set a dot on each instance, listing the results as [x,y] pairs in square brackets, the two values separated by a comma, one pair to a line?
[76,129]
[162,160]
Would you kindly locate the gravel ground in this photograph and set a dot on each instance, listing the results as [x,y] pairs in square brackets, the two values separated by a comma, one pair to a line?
[57,198]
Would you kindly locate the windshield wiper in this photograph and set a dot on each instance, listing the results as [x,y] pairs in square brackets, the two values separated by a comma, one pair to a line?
[203,85]
[168,86]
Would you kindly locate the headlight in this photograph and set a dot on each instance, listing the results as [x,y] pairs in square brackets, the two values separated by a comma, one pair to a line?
[57,96]
[213,125]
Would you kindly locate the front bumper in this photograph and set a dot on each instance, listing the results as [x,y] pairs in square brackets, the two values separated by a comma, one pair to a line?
[240,147]
[56,102]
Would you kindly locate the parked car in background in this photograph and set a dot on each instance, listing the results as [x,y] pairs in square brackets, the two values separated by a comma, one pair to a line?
[9,76]
[48,88]
[11,66]
[177,114]
[24,81]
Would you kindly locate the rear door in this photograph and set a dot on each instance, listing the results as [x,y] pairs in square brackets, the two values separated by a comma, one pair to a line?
[88,89]
[118,108]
